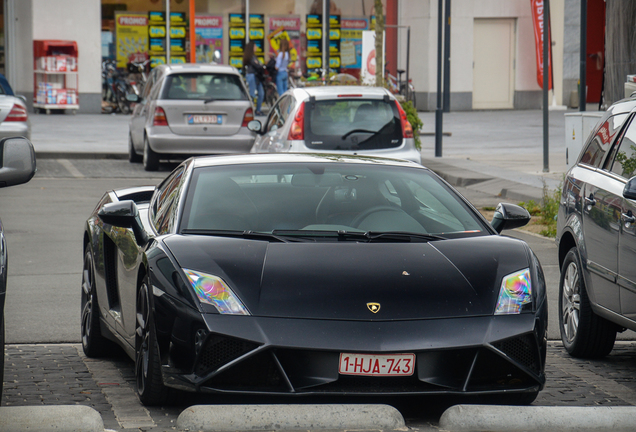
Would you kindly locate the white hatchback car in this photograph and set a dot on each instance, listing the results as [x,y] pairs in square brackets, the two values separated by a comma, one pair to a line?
[337,119]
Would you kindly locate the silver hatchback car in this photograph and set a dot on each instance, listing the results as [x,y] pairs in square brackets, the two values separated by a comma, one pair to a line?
[187,110]
[337,119]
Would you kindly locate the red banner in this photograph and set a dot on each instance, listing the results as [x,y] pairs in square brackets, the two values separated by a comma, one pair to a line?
[537,7]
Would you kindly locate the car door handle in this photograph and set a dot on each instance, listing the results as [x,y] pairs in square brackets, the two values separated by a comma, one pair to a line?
[590,201]
[628,217]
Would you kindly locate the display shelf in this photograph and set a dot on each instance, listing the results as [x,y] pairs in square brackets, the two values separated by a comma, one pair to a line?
[55,75]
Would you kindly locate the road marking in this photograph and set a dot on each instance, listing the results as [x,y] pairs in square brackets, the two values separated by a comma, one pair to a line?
[70,168]
[130,413]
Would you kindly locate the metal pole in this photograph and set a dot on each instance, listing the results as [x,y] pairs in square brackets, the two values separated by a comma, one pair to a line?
[439,124]
[583,57]
[408,57]
[193,43]
[247,20]
[168,31]
[447,19]
[325,40]
[546,83]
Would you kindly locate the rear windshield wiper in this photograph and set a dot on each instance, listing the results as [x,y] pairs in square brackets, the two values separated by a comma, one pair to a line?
[247,234]
[359,131]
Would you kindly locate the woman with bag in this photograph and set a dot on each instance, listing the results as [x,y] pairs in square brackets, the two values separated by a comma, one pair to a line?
[282,60]
[254,75]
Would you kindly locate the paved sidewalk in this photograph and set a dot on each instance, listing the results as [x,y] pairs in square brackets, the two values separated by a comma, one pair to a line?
[494,152]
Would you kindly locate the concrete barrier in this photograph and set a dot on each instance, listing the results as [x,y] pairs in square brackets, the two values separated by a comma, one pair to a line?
[59,418]
[220,418]
[493,418]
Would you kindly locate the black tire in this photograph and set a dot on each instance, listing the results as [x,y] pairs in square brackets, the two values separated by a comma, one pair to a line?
[150,388]
[150,158]
[584,334]
[93,343]
[133,157]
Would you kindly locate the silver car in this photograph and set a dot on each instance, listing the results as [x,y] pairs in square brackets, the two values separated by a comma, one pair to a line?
[337,119]
[14,120]
[187,110]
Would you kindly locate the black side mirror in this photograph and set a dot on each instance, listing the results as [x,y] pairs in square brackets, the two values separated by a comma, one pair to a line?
[124,214]
[255,126]
[509,216]
[17,161]
[629,191]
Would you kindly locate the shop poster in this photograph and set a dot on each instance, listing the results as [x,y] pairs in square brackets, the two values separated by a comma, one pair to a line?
[209,37]
[257,34]
[351,42]
[131,36]
[368,67]
[236,40]
[284,27]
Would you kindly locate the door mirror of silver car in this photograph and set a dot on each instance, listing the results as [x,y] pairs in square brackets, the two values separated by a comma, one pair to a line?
[629,191]
[17,163]
[124,214]
[255,126]
[509,216]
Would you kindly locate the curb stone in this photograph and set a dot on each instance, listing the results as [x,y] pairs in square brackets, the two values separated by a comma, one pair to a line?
[60,418]
[220,418]
[498,418]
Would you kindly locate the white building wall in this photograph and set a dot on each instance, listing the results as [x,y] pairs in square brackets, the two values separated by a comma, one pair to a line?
[421,15]
[80,21]
[77,20]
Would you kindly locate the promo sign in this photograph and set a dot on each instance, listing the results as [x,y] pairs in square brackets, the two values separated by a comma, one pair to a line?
[314,41]
[209,37]
[351,42]
[257,34]
[368,67]
[131,33]
[237,39]
[284,27]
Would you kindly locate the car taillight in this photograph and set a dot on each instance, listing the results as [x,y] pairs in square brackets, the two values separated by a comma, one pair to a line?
[18,113]
[297,129]
[248,117]
[407,129]
[159,118]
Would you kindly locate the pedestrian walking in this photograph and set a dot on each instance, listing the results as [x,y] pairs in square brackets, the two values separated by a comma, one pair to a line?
[282,61]
[254,75]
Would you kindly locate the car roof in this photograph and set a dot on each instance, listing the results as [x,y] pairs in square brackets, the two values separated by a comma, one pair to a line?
[197,68]
[301,158]
[327,92]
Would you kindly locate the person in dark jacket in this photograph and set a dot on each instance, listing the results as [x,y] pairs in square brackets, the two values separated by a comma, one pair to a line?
[254,75]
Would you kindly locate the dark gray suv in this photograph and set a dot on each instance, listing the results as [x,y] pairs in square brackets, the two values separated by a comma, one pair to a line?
[596,237]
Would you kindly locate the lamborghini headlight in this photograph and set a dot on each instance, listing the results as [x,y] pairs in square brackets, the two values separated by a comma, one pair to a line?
[214,291]
[515,292]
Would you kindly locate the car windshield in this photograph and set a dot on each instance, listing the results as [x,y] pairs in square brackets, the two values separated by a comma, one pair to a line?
[352,124]
[310,200]
[205,86]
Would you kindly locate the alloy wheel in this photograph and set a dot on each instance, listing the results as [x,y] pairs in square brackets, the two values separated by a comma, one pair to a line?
[143,338]
[88,282]
[571,301]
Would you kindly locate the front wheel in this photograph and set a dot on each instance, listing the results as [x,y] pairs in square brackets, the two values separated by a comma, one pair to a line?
[584,334]
[150,388]
[93,343]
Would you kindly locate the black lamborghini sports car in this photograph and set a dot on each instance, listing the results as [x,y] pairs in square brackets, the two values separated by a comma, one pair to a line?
[313,274]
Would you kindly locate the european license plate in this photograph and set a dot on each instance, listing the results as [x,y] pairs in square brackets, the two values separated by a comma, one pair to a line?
[377,364]
[204,119]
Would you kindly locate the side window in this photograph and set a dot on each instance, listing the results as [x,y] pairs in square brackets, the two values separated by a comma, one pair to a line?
[275,119]
[600,142]
[625,159]
[149,83]
[154,93]
[164,206]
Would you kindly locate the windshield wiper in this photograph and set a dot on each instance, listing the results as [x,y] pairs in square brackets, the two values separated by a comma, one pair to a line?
[359,131]
[369,236]
[247,234]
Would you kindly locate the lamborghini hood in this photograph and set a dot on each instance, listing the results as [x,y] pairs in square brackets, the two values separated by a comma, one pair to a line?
[358,281]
